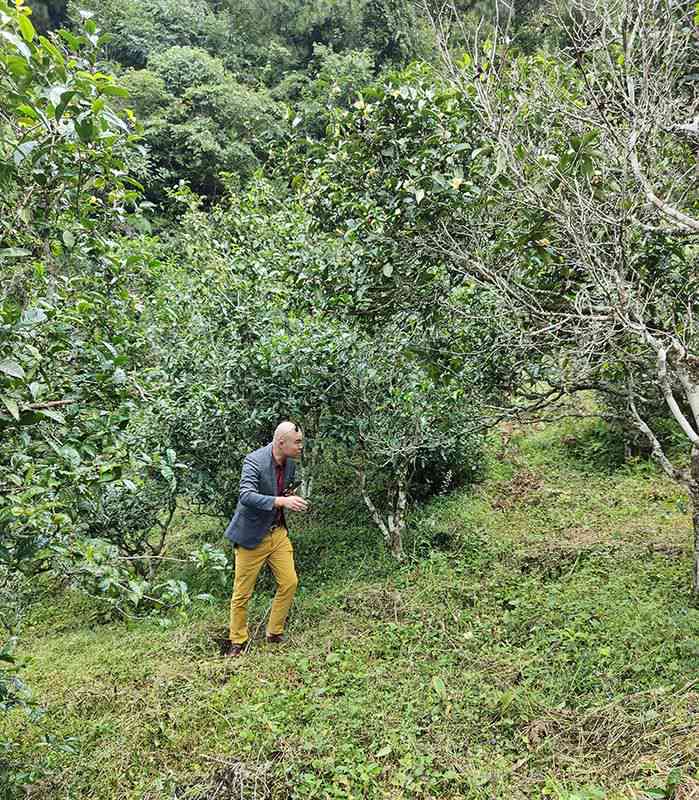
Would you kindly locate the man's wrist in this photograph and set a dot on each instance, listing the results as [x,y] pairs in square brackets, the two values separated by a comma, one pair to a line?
[279,502]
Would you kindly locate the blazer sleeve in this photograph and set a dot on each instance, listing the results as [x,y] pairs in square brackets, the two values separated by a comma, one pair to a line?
[249,485]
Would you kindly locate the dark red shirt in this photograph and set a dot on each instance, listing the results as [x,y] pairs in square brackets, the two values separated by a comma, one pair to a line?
[279,471]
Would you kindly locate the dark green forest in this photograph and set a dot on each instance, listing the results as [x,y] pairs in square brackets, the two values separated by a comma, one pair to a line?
[458,244]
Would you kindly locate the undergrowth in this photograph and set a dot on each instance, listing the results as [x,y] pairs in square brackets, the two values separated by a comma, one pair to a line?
[537,642]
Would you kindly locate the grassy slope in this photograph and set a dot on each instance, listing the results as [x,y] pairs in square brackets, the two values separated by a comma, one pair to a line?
[547,650]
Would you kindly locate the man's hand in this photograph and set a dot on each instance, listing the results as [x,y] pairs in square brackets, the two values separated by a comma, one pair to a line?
[292,502]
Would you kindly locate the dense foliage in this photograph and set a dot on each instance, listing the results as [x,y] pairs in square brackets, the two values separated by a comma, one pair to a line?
[221,215]
[70,319]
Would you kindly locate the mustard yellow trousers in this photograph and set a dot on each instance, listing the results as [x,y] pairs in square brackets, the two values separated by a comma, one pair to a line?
[276,550]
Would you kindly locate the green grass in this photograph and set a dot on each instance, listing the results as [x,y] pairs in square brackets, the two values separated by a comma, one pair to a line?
[538,643]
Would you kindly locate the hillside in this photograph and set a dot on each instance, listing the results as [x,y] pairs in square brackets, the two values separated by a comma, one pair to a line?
[536,643]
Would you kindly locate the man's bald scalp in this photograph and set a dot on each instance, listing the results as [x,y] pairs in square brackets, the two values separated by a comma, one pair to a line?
[283,429]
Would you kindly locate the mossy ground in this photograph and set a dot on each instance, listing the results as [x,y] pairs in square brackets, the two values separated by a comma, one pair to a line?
[538,642]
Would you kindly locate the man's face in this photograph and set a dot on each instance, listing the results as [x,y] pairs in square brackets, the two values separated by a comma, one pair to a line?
[292,444]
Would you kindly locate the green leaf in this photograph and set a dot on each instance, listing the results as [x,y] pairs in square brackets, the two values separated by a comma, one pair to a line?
[14,252]
[419,196]
[27,28]
[52,50]
[68,240]
[66,97]
[70,39]
[71,455]
[11,368]
[55,93]
[53,414]
[18,66]
[388,270]
[27,111]
[18,43]
[85,129]
[11,406]
[439,687]
[113,90]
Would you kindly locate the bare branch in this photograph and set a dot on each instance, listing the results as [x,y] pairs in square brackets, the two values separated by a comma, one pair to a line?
[666,208]
[378,519]
[679,475]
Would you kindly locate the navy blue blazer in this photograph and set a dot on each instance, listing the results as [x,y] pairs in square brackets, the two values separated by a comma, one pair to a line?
[255,512]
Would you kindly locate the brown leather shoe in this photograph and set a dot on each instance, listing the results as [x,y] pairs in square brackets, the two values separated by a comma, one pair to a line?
[235,649]
[275,638]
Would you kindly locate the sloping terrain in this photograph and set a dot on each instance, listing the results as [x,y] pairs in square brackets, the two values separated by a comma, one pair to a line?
[537,643]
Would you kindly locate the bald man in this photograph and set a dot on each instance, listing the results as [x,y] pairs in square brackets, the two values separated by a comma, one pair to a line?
[259,533]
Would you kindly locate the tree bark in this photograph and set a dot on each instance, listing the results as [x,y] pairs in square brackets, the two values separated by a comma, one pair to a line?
[687,222]
[398,518]
[392,528]
[309,470]
[380,524]
[694,494]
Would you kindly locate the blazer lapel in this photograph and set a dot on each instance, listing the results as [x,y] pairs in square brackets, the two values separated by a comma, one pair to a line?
[269,467]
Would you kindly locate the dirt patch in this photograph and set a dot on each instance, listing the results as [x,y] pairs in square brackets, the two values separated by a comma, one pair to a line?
[619,740]
[556,558]
[668,550]
[573,540]
[688,789]
[576,545]
[202,641]
[234,780]
[524,488]
[380,604]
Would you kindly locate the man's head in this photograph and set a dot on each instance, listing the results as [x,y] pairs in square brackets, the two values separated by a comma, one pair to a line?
[288,440]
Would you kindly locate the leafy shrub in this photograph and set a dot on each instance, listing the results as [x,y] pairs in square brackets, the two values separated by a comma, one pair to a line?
[147,91]
[204,125]
[335,81]
[135,514]
[140,28]
[96,568]
[68,310]
[180,68]
[13,692]
[15,695]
